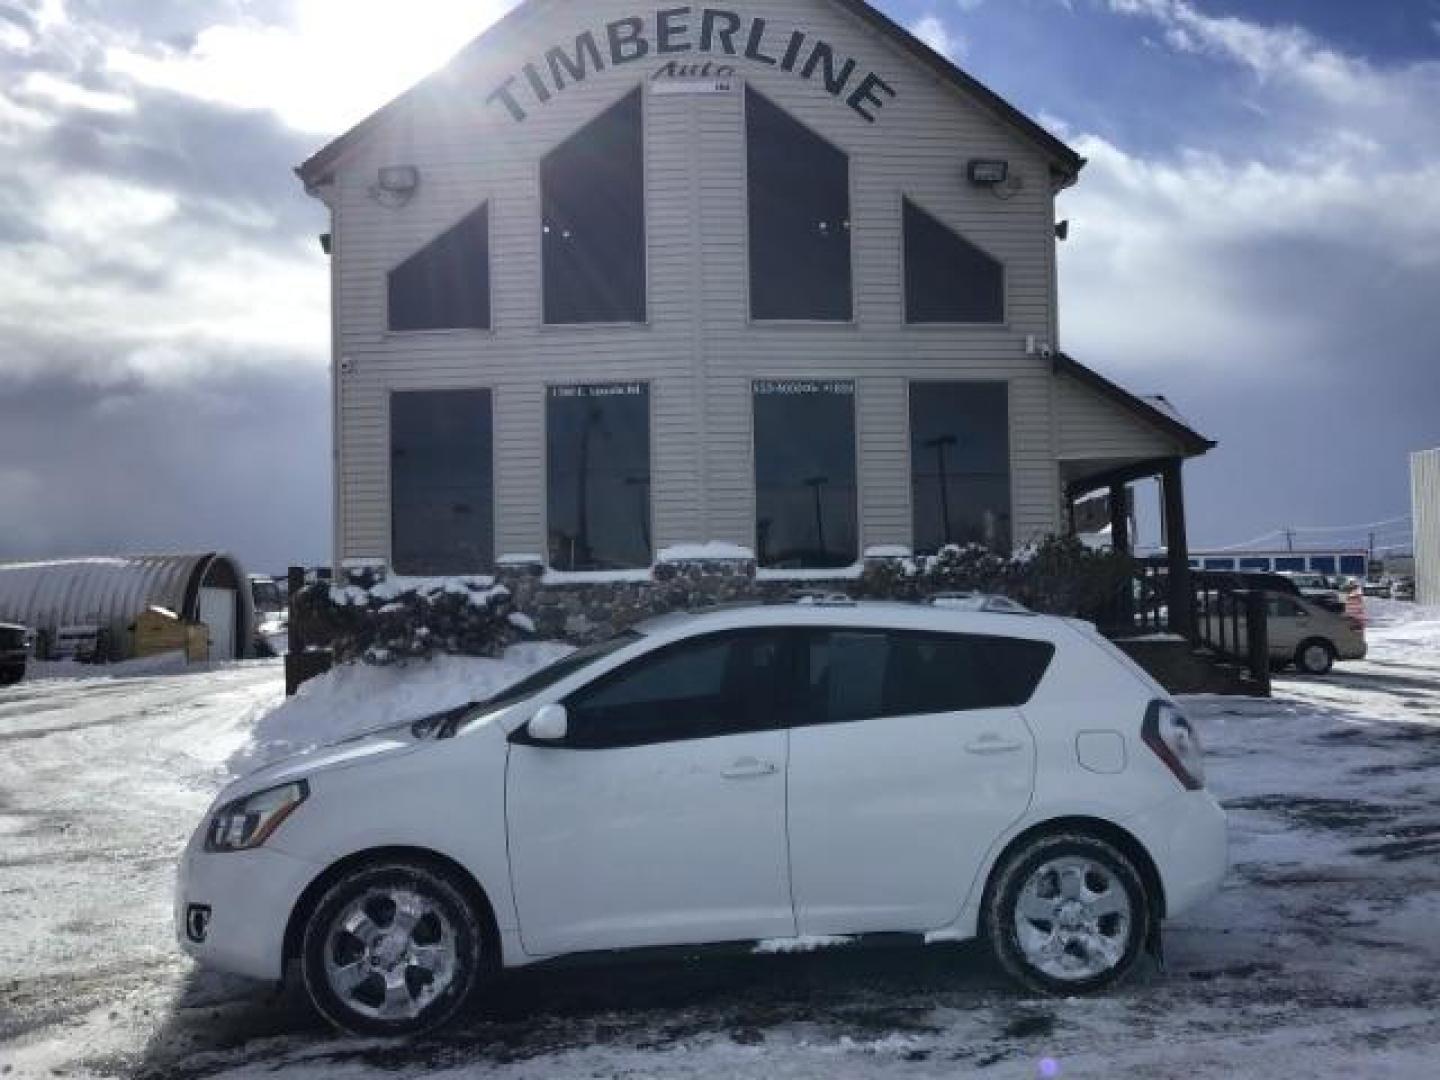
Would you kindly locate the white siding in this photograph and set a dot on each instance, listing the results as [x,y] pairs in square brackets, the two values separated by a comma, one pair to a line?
[1425,473]
[1094,428]
[699,351]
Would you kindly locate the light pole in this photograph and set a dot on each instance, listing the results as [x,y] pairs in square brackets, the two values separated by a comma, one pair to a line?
[940,444]
[817,484]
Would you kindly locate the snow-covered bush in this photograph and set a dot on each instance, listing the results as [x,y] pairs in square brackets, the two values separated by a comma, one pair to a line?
[1056,576]
[387,620]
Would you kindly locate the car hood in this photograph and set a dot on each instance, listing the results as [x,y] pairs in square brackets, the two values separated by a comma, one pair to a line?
[385,743]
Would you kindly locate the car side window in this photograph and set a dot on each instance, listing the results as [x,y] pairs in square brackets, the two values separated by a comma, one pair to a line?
[864,675]
[718,685]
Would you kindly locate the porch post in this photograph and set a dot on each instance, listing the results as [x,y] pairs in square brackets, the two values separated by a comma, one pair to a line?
[1120,518]
[1182,614]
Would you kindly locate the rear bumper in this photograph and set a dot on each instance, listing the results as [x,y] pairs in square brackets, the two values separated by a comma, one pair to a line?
[249,896]
[1188,837]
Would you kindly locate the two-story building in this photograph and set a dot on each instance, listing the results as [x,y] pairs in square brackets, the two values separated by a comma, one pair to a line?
[772,274]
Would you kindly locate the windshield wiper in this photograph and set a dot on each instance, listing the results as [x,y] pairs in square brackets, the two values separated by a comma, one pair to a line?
[441,725]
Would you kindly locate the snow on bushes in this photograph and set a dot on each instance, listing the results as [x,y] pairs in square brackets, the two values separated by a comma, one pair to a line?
[387,620]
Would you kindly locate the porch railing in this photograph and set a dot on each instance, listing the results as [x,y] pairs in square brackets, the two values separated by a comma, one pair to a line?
[1228,619]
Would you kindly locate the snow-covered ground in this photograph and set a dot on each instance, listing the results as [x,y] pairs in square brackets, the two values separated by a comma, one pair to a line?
[1321,958]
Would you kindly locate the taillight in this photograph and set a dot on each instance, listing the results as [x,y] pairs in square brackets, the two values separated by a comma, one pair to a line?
[1167,731]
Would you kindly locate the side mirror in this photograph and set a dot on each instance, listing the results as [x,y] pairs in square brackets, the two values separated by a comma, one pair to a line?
[551,724]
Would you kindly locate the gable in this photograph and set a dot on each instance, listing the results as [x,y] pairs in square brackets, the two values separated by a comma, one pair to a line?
[545,48]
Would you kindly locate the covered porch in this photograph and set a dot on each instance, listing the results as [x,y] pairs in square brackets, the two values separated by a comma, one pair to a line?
[1110,441]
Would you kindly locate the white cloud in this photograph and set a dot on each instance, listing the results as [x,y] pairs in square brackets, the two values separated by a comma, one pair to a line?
[1286,53]
[1326,232]
[337,63]
[66,94]
[931,29]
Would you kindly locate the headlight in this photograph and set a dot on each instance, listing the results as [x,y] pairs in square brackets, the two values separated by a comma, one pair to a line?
[247,823]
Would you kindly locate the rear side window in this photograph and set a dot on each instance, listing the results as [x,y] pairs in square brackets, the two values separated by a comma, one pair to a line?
[862,675]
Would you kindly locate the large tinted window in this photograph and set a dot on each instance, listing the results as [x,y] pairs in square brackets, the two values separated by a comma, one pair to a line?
[799,219]
[599,476]
[960,464]
[947,278]
[446,284]
[441,480]
[593,189]
[805,489]
[714,686]
[866,674]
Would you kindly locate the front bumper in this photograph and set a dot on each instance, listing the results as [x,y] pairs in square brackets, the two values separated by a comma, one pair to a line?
[1188,837]
[249,896]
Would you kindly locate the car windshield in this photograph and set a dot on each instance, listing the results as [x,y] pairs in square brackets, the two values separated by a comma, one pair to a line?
[447,724]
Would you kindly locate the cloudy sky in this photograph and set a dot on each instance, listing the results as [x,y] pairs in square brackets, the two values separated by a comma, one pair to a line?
[1257,236]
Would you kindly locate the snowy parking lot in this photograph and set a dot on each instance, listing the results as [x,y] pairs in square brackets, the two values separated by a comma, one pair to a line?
[1321,957]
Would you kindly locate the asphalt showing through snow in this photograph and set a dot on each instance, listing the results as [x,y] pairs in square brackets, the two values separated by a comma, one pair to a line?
[1319,958]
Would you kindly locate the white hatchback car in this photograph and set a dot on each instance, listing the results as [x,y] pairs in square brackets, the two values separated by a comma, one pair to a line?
[789,774]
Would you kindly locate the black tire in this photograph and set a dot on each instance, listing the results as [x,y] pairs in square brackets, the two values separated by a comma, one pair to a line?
[1315,657]
[1001,922]
[325,946]
[11,676]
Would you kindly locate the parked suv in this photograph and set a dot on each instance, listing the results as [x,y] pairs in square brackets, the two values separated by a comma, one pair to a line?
[792,775]
[13,653]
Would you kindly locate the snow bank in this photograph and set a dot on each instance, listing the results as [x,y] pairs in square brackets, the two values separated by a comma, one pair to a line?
[356,698]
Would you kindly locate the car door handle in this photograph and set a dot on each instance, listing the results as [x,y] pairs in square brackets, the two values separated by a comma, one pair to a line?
[993,744]
[750,769]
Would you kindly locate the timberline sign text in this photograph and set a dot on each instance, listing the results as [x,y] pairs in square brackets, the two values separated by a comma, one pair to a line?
[671,32]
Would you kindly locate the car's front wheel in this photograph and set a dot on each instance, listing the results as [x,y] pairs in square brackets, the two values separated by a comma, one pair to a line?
[1067,914]
[1315,657]
[394,949]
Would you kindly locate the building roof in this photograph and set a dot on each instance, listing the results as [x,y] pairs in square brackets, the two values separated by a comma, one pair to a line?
[1065,162]
[1155,411]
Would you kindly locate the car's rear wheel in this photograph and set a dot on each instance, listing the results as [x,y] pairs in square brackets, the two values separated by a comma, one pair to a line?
[1315,657]
[394,949]
[1067,914]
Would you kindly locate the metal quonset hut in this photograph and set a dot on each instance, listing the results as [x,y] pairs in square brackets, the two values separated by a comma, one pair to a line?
[111,593]
[626,278]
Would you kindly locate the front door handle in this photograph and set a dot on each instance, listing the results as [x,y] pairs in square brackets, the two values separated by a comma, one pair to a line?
[993,744]
[750,769]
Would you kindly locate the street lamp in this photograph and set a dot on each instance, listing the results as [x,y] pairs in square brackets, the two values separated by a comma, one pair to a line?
[817,484]
[940,444]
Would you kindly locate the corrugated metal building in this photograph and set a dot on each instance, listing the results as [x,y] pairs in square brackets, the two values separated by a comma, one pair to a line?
[111,593]
[774,274]
[1425,480]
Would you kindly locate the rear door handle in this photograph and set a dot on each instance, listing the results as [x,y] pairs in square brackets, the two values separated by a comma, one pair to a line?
[993,744]
[750,769]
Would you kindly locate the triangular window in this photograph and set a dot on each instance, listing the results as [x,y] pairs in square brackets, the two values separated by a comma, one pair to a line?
[947,278]
[446,284]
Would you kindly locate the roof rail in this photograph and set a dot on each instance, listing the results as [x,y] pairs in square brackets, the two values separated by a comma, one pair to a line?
[992,603]
[820,598]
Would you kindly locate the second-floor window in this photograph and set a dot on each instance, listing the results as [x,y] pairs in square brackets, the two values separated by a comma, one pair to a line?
[593,194]
[446,284]
[947,278]
[799,190]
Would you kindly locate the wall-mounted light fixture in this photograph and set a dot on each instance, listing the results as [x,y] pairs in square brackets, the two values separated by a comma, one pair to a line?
[396,185]
[1062,231]
[987,172]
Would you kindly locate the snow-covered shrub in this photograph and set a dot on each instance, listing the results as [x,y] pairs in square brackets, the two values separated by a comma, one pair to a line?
[1056,576]
[387,620]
